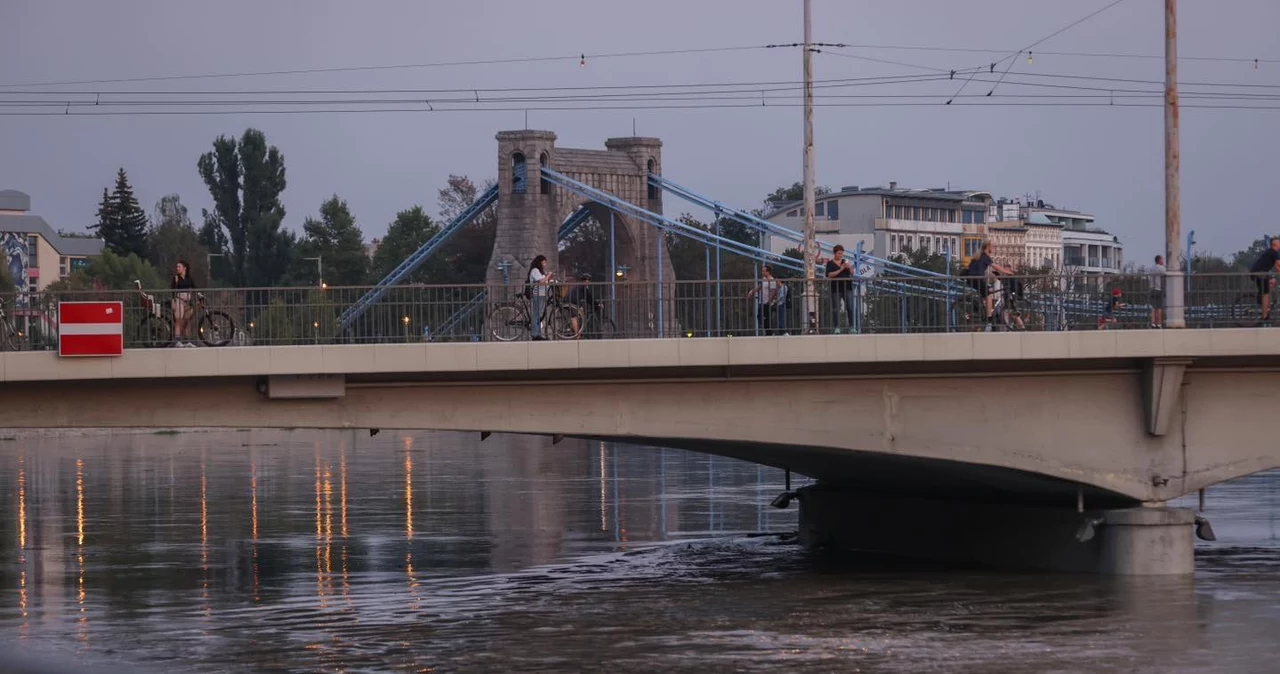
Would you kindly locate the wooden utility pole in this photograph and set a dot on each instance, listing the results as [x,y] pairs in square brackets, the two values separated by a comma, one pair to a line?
[1175,316]
[810,226]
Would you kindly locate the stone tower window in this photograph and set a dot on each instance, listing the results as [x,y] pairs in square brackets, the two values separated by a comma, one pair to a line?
[544,185]
[519,174]
[653,169]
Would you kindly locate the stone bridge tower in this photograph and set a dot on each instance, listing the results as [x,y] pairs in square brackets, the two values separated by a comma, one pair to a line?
[530,210]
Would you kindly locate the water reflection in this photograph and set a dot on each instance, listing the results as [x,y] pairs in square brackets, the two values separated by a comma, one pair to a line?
[340,552]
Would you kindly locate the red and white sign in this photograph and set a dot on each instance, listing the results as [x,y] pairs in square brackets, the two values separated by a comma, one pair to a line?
[91,329]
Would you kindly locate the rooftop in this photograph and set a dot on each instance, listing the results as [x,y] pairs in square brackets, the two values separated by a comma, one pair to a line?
[933,193]
[24,223]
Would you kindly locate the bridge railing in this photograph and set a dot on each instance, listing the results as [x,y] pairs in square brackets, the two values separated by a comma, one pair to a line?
[882,304]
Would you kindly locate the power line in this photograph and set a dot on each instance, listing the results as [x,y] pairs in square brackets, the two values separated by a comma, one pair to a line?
[582,58]
[1118,55]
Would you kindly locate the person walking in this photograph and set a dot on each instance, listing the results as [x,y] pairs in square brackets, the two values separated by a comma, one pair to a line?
[1157,294]
[1263,271]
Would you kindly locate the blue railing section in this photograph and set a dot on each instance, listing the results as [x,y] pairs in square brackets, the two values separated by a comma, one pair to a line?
[489,198]
[667,224]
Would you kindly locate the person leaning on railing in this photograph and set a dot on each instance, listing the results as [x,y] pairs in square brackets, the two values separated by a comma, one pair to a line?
[1263,271]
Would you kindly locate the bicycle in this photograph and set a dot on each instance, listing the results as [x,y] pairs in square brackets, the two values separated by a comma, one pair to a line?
[596,323]
[509,320]
[216,328]
[10,337]
[1246,310]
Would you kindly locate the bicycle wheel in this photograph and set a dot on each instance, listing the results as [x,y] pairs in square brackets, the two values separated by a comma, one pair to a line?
[1246,311]
[8,337]
[603,327]
[157,331]
[216,328]
[507,323]
[562,320]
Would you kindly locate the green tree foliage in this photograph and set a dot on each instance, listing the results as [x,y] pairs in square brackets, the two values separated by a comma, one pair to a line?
[467,254]
[8,284]
[793,193]
[338,242]
[110,271]
[121,223]
[245,179]
[173,237]
[586,251]
[934,262]
[406,234]
[689,257]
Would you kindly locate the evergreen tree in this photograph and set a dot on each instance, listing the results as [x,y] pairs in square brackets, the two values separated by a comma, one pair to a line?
[122,223]
[337,240]
[410,230]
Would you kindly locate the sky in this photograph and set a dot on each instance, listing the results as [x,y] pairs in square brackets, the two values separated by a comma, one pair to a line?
[1105,160]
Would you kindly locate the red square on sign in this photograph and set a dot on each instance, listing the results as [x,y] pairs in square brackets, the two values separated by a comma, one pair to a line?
[91,329]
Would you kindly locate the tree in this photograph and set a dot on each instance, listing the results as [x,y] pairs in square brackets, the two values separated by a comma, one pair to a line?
[586,251]
[1245,258]
[337,241]
[689,257]
[121,222]
[406,234]
[172,237]
[245,179]
[110,271]
[793,193]
[7,283]
[467,254]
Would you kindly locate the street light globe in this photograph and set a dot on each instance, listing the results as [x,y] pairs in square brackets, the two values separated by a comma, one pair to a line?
[406,320]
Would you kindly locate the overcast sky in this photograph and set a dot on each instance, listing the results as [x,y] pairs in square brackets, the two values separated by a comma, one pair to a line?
[1104,160]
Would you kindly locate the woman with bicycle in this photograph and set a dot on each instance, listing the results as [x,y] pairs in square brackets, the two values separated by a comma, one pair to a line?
[537,280]
[182,286]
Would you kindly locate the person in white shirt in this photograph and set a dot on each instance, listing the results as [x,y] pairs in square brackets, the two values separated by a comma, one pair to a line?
[1157,293]
[766,294]
[537,280]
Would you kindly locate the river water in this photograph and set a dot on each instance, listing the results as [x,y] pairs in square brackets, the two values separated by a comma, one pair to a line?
[271,551]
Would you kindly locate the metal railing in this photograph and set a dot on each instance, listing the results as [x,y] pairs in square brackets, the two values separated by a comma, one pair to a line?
[883,304]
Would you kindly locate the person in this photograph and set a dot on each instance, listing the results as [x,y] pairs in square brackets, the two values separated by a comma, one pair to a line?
[1263,269]
[182,285]
[766,295]
[1157,293]
[977,272]
[1108,316]
[840,272]
[537,281]
[582,296]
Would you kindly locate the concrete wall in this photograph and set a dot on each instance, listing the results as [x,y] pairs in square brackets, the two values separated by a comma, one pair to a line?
[1014,416]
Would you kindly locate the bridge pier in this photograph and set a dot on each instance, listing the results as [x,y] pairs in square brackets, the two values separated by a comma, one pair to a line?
[1140,541]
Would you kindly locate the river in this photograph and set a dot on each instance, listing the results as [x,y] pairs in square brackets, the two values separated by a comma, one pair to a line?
[273,551]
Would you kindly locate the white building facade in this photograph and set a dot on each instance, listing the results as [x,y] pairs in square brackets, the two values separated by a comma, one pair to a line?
[887,221]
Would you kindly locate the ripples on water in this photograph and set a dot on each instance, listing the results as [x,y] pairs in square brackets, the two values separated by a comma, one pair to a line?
[299,552]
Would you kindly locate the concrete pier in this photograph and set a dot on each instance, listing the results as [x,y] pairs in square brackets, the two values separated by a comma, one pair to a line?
[1140,541]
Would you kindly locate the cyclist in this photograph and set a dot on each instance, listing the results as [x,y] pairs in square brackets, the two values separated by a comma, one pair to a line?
[1263,270]
[1108,316]
[537,281]
[182,286]
[977,273]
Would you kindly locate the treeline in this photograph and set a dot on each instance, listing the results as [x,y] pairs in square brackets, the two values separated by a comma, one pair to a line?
[241,242]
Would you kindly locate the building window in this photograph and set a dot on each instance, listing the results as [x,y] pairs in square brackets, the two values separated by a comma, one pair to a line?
[653,170]
[544,185]
[519,174]
[33,245]
[833,209]
[820,209]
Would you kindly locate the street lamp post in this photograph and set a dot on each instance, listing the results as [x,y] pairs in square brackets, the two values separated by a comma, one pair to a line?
[1172,171]
[319,269]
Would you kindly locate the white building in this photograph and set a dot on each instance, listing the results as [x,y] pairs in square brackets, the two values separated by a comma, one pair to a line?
[887,221]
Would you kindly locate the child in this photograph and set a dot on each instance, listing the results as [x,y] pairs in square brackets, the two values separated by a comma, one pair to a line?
[1109,313]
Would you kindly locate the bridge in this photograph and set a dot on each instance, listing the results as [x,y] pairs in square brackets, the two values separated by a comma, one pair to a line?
[1000,448]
